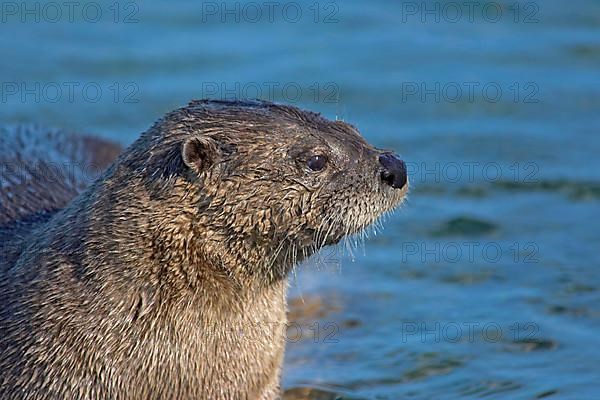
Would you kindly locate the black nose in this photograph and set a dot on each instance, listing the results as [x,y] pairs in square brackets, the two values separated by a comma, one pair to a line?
[394,170]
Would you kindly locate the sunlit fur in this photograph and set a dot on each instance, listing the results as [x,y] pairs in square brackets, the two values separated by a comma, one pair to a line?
[167,277]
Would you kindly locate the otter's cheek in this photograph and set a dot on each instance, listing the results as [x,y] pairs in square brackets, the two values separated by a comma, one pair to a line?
[307,242]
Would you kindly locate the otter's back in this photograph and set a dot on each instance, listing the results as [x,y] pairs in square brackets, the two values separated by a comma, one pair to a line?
[41,171]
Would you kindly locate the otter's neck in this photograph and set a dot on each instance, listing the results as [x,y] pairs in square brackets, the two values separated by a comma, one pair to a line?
[133,265]
[137,237]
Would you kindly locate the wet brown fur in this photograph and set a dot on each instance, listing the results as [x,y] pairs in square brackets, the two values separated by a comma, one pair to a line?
[166,278]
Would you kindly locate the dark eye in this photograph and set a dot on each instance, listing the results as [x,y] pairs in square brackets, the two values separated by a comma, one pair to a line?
[317,163]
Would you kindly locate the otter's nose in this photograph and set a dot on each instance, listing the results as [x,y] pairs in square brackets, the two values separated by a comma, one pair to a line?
[394,170]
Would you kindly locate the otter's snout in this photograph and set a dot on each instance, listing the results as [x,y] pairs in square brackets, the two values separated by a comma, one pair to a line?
[393,170]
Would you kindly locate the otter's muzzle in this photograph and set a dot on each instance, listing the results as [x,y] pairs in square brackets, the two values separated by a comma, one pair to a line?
[393,170]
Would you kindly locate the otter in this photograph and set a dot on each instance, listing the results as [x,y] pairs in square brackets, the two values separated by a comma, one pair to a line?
[166,277]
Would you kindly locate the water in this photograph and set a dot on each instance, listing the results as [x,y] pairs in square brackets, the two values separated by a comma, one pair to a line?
[487,284]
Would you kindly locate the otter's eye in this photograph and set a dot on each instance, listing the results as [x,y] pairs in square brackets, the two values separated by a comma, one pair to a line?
[317,163]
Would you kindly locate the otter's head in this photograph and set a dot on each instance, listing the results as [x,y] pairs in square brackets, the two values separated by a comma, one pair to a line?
[272,184]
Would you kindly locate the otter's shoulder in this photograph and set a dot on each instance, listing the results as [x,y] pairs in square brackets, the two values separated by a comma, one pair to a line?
[42,170]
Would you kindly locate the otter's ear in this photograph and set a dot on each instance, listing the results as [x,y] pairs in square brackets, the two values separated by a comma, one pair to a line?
[199,153]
